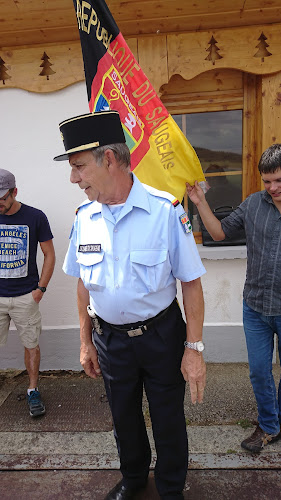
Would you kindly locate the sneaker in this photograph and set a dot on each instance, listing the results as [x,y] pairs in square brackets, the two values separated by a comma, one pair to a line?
[259,439]
[36,406]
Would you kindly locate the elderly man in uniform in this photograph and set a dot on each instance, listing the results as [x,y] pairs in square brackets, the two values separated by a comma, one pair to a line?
[128,245]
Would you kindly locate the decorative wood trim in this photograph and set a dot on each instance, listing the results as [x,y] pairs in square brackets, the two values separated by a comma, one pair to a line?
[237,47]
[160,56]
[214,80]
[24,67]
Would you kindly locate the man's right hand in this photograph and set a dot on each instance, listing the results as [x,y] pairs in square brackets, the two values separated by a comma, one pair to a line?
[195,193]
[212,224]
[89,360]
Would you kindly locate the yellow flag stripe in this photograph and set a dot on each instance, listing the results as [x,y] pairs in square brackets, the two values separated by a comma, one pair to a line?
[170,161]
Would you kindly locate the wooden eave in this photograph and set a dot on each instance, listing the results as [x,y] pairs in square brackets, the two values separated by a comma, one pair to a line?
[32,22]
[167,37]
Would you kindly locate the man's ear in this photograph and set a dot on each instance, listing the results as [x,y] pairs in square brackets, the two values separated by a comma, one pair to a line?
[110,159]
[15,192]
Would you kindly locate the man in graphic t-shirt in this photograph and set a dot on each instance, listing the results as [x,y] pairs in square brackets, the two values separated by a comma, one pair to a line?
[21,289]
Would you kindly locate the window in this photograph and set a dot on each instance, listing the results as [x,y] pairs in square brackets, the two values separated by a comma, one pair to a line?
[217,140]
[219,111]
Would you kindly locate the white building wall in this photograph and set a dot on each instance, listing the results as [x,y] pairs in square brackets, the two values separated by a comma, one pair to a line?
[30,139]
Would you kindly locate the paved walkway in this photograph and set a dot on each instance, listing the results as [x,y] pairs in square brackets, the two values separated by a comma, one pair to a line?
[70,452]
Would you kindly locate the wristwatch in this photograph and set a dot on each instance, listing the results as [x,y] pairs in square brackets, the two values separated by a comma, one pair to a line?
[197,346]
[42,288]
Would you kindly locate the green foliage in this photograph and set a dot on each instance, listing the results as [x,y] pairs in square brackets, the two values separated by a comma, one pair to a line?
[244,423]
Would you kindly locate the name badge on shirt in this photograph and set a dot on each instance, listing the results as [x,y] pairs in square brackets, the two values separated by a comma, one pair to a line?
[185,223]
[89,248]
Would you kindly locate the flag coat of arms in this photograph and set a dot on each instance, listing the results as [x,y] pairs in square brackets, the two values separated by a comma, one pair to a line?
[161,156]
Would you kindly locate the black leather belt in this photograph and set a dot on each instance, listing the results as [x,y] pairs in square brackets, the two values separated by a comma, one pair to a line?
[136,329]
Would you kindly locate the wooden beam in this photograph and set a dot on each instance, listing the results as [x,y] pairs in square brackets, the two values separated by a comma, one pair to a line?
[28,22]
[165,16]
[270,111]
[198,102]
[251,140]
[155,67]
[33,37]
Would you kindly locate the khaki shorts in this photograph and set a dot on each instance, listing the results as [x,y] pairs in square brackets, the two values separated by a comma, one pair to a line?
[24,312]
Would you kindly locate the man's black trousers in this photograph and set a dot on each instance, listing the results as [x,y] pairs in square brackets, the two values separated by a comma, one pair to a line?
[151,361]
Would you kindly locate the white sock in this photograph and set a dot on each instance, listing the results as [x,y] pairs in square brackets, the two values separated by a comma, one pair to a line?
[30,390]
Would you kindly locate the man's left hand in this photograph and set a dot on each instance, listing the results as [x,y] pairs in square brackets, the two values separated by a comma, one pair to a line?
[37,295]
[193,368]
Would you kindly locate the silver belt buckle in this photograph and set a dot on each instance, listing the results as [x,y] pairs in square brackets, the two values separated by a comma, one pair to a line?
[136,332]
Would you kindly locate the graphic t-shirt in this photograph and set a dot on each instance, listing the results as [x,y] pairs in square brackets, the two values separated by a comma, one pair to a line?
[19,237]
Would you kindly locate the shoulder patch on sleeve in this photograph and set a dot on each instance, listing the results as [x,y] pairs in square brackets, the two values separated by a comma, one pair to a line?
[186,225]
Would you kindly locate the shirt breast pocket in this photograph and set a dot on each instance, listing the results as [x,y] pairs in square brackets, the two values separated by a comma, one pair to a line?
[91,270]
[150,269]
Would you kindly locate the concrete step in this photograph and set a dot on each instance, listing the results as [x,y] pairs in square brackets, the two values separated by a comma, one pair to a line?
[210,447]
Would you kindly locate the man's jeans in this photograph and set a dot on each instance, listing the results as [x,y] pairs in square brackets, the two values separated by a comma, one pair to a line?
[259,331]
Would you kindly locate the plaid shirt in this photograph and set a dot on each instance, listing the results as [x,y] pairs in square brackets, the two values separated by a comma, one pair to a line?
[262,222]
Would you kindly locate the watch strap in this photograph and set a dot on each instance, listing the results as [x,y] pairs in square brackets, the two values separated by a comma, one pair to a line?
[196,346]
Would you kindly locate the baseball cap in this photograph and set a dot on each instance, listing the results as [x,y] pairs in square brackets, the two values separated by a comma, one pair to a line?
[7,181]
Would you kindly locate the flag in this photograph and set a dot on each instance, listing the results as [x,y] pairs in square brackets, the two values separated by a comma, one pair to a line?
[161,156]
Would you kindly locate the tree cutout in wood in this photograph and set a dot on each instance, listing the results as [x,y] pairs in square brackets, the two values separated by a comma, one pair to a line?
[262,52]
[46,65]
[3,71]
[213,49]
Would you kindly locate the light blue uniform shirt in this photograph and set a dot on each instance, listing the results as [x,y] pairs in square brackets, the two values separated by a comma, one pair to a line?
[130,265]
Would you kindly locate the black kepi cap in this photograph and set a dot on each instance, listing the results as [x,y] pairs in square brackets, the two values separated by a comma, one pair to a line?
[89,131]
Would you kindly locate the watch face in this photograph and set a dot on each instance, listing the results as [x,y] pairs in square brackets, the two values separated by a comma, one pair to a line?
[200,346]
